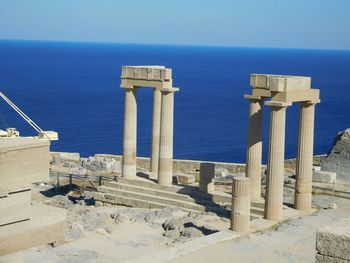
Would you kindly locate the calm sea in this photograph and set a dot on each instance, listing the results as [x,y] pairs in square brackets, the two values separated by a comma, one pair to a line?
[73,88]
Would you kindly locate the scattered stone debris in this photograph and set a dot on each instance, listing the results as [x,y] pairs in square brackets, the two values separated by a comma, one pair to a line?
[93,165]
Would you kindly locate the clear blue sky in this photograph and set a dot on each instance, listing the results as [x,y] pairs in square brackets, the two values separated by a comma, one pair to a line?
[257,23]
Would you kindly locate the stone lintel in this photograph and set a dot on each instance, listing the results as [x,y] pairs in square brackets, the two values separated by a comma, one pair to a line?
[153,73]
[135,83]
[280,83]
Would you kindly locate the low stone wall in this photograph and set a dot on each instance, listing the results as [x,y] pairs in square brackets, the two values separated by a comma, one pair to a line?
[333,243]
[182,166]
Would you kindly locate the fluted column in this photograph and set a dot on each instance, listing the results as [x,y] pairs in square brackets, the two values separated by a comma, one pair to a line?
[254,147]
[155,131]
[303,184]
[240,210]
[130,133]
[165,170]
[275,167]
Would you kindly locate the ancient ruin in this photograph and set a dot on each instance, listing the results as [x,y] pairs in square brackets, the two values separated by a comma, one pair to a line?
[283,91]
[160,79]
[126,205]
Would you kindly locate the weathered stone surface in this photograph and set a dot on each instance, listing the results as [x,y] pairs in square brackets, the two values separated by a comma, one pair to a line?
[325,259]
[338,160]
[173,224]
[15,207]
[206,180]
[185,178]
[191,232]
[23,161]
[66,156]
[334,240]
[324,176]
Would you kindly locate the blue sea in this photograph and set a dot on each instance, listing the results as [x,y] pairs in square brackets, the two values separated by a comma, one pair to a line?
[74,88]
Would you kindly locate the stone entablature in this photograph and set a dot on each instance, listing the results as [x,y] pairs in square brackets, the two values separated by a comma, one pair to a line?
[158,77]
[157,73]
[283,89]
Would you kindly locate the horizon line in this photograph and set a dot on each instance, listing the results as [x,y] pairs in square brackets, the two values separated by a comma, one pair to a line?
[165,44]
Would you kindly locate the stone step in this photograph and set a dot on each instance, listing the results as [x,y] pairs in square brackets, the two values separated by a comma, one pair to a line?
[151,198]
[149,184]
[141,203]
[191,191]
[258,204]
[257,211]
[127,201]
[149,191]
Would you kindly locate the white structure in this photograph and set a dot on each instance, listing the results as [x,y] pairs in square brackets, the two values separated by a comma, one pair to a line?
[160,79]
[283,91]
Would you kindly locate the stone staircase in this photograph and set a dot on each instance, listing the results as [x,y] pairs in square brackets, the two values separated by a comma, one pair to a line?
[144,193]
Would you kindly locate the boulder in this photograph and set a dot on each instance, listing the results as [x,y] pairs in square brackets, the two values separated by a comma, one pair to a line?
[338,160]
[191,232]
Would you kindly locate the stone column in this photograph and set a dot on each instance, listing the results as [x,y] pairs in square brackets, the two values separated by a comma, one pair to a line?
[275,167]
[254,147]
[165,169]
[303,184]
[130,134]
[157,95]
[240,210]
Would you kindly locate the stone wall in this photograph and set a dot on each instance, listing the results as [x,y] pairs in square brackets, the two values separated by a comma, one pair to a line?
[333,243]
[181,166]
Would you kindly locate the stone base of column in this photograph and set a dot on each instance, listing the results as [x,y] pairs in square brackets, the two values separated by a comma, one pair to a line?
[165,172]
[240,211]
[302,201]
[129,171]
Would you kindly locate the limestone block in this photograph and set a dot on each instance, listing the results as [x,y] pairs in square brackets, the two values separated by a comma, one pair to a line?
[47,224]
[207,172]
[288,83]
[15,207]
[259,81]
[185,178]
[23,161]
[334,240]
[325,259]
[324,176]
[206,177]
[157,73]
[280,83]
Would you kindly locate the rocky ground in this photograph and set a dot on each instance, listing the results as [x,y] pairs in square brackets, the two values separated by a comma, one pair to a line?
[292,242]
[114,233]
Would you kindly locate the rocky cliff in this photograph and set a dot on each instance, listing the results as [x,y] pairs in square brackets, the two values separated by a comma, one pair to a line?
[338,160]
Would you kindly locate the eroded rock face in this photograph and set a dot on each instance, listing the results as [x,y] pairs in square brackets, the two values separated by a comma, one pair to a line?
[338,160]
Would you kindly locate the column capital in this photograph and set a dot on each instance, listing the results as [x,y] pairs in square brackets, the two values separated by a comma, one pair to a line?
[254,97]
[127,87]
[309,103]
[278,104]
[168,90]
